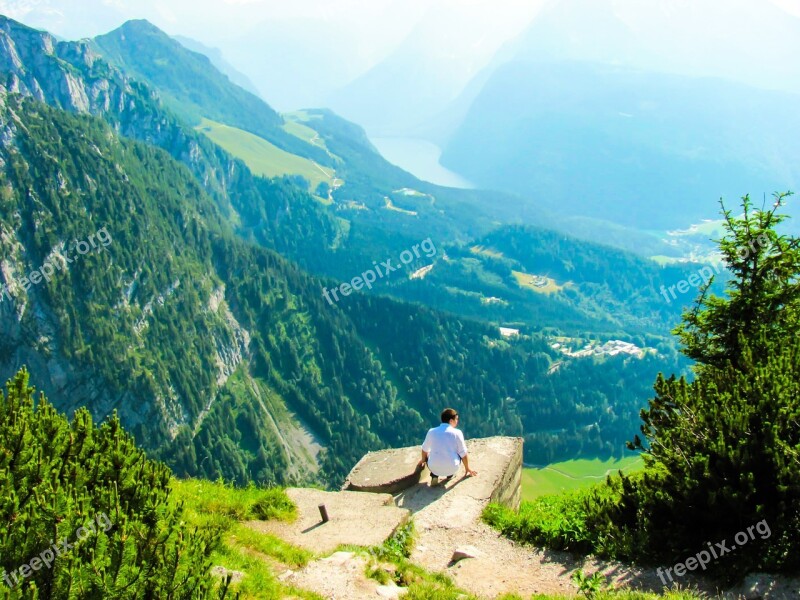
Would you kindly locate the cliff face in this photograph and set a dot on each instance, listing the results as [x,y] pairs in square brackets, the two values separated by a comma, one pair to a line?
[75,77]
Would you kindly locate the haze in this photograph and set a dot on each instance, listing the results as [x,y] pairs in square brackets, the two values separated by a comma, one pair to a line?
[305,53]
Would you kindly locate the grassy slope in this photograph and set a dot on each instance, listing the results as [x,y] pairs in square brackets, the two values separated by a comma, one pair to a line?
[262,157]
[304,132]
[571,475]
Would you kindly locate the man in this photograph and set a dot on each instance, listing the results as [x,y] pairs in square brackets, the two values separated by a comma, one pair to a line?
[444,449]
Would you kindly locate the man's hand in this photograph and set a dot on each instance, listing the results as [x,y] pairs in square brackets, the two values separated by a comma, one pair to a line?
[470,472]
[423,460]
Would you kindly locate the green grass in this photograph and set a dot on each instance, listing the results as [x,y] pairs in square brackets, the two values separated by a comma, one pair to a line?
[223,507]
[665,260]
[305,133]
[262,157]
[270,545]
[572,475]
[486,251]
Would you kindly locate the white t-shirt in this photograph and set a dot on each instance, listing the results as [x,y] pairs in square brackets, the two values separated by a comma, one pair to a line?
[445,447]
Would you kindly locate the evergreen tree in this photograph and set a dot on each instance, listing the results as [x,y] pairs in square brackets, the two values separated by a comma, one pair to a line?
[85,514]
[722,453]
[763,295]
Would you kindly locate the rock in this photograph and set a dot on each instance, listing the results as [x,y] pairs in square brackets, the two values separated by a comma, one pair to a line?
[498,461]
[339,558]
[385,471]
[355,518]
[761,585]
[390,591]
[465,552]
[222,573]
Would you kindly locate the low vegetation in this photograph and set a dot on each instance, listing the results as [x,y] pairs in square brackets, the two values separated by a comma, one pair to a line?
[263,157]
[720,452]
[571,475]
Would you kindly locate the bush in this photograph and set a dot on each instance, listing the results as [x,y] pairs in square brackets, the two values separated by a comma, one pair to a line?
[92,487]
[273,503]
[721,452]
[573,522]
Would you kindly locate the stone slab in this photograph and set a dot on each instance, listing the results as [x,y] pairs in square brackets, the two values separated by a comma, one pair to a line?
[385,471]
[460,501]
[355,518]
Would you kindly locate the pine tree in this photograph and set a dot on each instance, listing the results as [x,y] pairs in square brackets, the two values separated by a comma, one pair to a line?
[84,513]
[763,295]
[722,453]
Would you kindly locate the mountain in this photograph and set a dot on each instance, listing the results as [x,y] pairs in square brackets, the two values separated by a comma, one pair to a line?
[292,72]
[504,272]
[198,323]
[642,149]
[191,86]
[419,78]
[694,39]
[369,192]
[220,356]
[595,96]
[220,63]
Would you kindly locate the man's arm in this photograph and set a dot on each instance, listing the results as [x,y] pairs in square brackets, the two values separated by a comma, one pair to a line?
[462,452]
[424,459]
[465,460]
[425,453]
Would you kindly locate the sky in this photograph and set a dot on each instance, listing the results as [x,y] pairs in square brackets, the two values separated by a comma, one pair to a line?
[315,48]
[215,22]
[331,41]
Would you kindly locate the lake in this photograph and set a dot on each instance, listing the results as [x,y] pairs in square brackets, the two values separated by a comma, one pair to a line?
[420,158]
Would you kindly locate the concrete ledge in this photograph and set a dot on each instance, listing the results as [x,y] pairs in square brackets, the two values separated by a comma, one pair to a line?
[498,461]
[385,471]
[355,518]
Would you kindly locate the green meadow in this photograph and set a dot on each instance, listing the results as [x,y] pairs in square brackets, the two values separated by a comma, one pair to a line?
[572,474]
[262,157]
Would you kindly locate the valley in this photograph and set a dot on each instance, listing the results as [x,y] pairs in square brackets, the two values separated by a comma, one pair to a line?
[486,207]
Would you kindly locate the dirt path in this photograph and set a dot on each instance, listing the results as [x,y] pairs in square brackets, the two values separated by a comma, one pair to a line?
[448,518]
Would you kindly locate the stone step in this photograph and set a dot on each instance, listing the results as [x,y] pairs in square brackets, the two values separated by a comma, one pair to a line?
[355,518]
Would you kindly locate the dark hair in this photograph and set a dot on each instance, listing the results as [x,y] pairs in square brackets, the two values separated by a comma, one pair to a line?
[448,413]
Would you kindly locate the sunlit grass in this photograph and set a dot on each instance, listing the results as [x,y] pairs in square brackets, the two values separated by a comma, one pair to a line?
[572,475]
[262,157]
[223,507]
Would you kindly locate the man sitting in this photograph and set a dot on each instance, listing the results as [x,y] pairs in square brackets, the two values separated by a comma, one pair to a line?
[444,449]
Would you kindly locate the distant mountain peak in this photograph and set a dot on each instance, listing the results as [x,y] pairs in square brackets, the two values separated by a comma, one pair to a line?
[140,26]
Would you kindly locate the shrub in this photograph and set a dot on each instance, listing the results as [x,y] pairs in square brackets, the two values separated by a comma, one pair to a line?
[58,479]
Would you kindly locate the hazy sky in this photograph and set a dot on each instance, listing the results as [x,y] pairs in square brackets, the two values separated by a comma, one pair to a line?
[219,19]
[381,22]
[314,47]
[330,41]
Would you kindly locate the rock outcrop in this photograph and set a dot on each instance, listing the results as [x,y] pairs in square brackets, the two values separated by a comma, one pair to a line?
[498,461]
